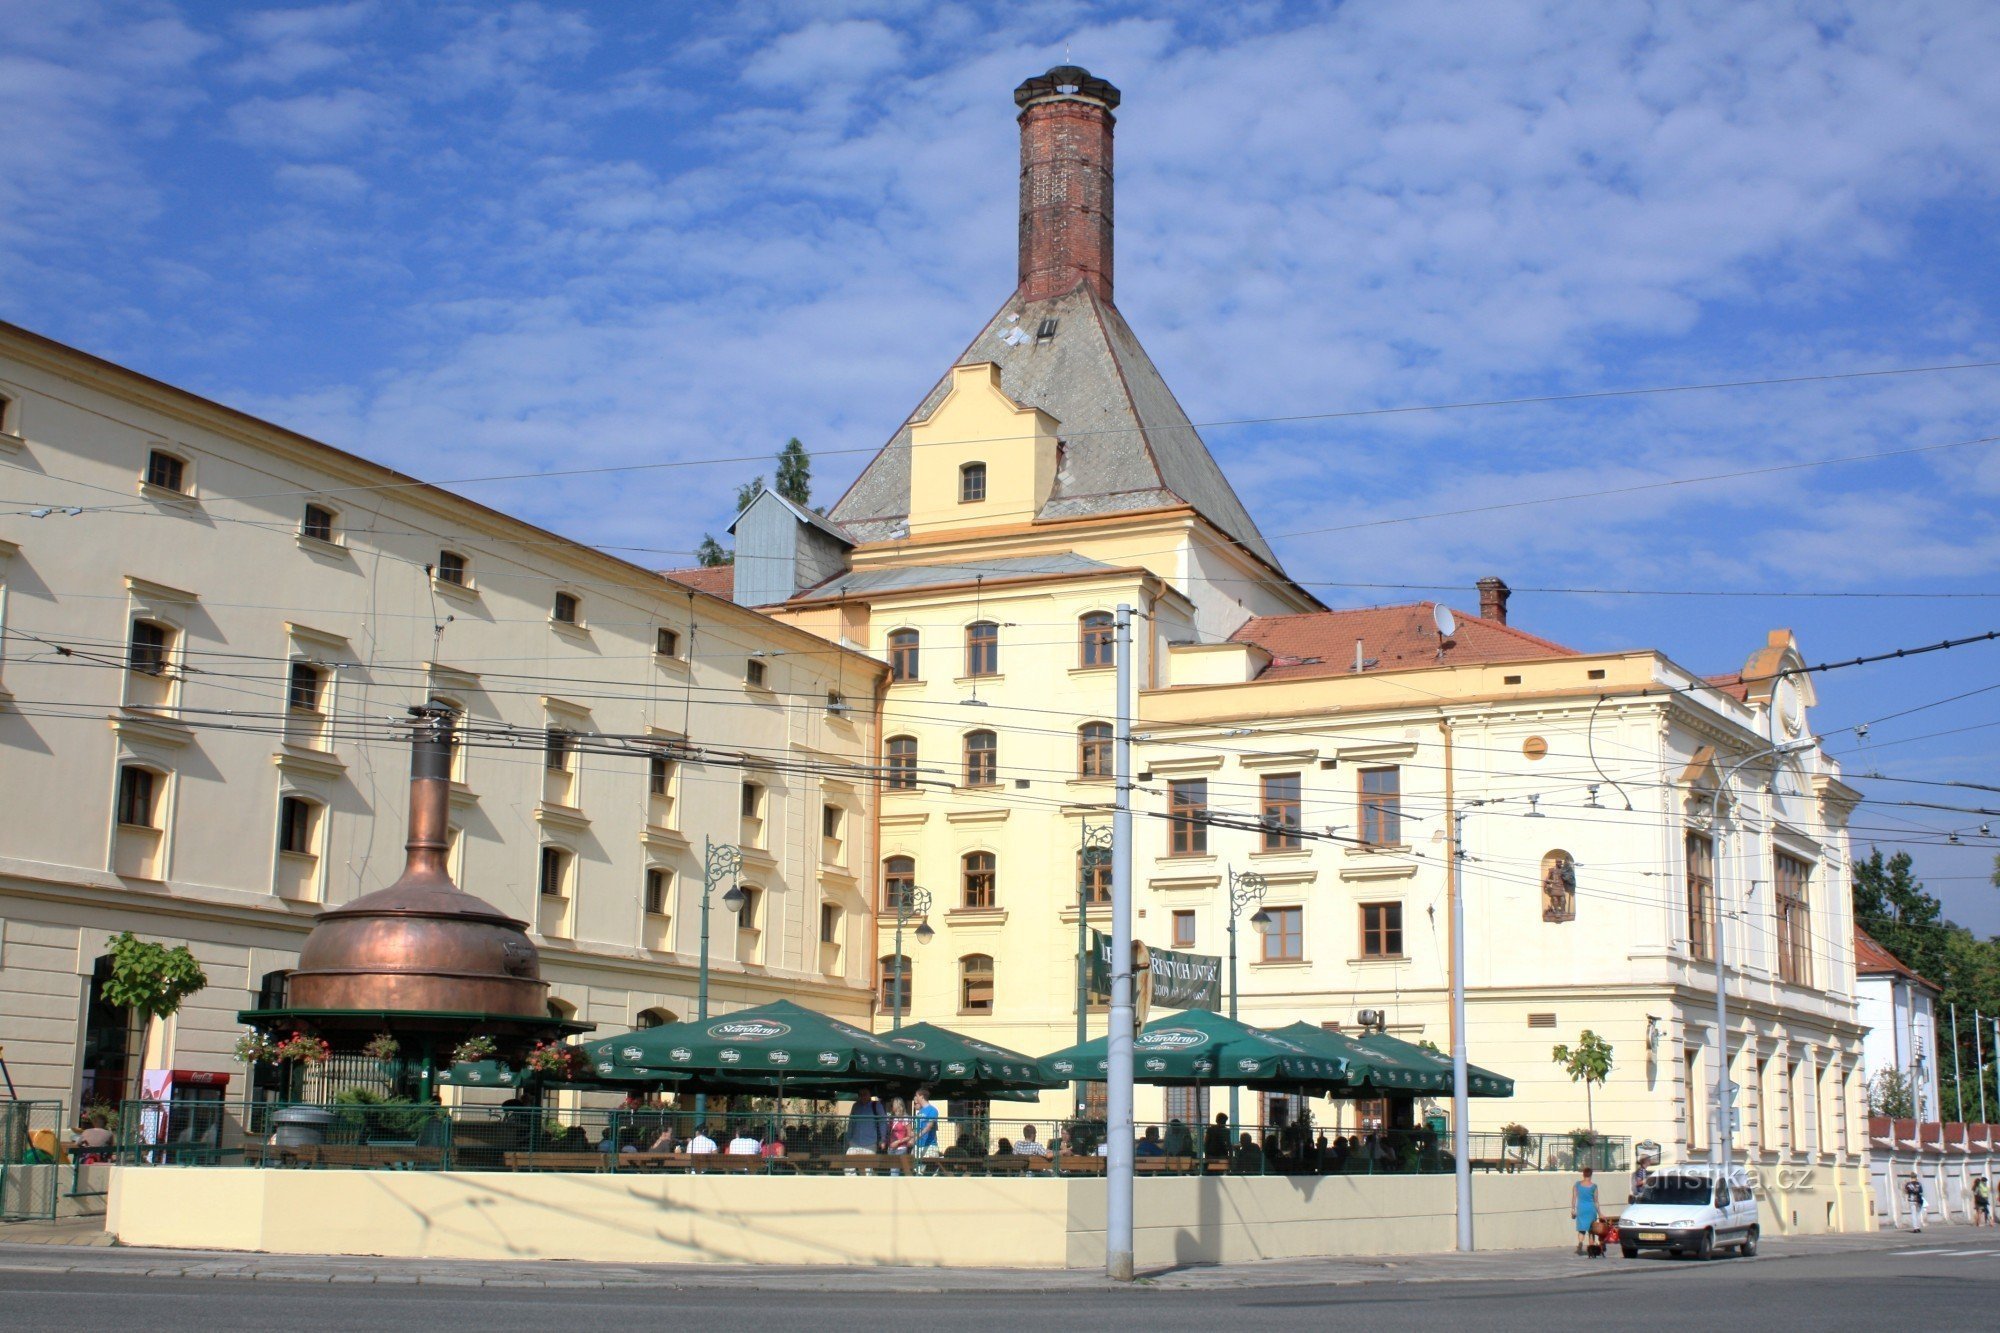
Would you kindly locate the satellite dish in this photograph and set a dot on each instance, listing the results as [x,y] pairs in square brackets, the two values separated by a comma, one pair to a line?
[1447,625]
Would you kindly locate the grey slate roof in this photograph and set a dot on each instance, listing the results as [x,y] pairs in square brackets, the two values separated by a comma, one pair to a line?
[906,577]
[1128,444]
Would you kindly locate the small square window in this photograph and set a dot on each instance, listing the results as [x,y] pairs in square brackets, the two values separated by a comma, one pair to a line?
[565,608]
[165,471]
[753,674]
[451,568]
[1284,935]
[317,523]
[1184,929]
[1381,930]
[1595,673]
[667,643]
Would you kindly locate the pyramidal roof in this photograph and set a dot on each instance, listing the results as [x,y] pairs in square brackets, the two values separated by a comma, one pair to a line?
[1127,445]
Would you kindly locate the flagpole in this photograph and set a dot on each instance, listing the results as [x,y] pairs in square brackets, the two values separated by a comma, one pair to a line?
[1979,1057]
[1957,1083]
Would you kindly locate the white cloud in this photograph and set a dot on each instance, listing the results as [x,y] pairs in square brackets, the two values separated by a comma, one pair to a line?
[314,123]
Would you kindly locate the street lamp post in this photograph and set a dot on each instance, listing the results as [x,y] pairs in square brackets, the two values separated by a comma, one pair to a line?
[911,905]
[719,861]
[1092,856]
[1245,890]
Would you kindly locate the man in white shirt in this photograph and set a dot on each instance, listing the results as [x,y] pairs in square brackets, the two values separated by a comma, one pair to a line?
[743,1145]
[701,1143]
[1028,1146]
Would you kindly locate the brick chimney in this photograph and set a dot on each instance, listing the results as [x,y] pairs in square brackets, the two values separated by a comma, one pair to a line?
[1066,124]
[1493,595]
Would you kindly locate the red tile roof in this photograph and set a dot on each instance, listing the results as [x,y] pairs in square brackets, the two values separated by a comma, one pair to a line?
[1731,684]
[1321,643]
[1872,960]
[716,580]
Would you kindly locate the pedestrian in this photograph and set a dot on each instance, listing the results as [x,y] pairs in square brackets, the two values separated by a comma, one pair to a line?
[1913,1202]
[926,1129]
[901,1136]
[1982,1202]
[1583,1207]
[867,1132]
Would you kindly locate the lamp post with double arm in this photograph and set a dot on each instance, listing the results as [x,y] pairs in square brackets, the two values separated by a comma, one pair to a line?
[719,861]
[913,904]
[1245,890]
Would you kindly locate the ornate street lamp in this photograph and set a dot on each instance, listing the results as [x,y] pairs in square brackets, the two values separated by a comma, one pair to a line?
[1245,890]
[912,905]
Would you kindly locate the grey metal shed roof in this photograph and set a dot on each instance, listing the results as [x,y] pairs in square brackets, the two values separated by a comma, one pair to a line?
[801,513]
[1128,444]
[904,578]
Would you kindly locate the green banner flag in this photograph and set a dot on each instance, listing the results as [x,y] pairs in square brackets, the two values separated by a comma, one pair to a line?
[1180,980]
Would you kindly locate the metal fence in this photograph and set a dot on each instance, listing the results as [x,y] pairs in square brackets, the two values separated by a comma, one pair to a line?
[751,1137]
[30,1150]
[1550,1152]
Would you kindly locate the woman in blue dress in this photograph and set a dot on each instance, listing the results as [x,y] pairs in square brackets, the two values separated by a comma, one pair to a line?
[1583,1207]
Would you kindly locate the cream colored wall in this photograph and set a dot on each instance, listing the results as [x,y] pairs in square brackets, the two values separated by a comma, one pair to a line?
[978,423]
[228,567]
[829,1221]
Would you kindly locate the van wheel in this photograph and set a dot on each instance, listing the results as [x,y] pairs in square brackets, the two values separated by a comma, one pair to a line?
[1704,1246]
[1748,1249]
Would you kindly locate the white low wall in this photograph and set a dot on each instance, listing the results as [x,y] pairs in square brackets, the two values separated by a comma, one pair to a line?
[836,1220]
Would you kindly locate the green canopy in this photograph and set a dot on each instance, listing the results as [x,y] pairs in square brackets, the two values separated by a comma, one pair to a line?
[1479,1082]
[482,1074]
[769,1042]
[1202,1047]
[969,1067]
[1369,1066]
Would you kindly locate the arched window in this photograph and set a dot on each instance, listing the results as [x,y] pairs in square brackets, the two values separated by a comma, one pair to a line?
[971,483]
[982,759]
[1093,744]
[1558,887]
[654,1018]
[902,763]
[899,883]
[1097,645]
[982,649]
[893,981]
[980,879]
[903,655]
[975,984]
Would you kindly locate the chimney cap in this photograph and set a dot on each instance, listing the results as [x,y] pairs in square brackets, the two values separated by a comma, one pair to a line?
[1064,81]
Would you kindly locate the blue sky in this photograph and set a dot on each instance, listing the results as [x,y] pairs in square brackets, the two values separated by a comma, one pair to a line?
[473,239]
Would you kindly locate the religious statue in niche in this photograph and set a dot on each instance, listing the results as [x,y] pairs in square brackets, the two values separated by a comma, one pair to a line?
[1558,887]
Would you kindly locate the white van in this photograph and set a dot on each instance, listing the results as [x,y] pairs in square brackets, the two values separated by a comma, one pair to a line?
[1686,1209]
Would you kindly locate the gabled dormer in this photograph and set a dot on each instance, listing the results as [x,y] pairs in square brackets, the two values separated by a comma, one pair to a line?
[980,459]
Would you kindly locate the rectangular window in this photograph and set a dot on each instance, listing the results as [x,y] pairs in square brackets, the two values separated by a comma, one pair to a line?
[659,775]
[903,655]
[753,800]
[829,923]
[980,879]
[829,821]
[1284,935]
[1794,921]
[565,608]
[1098,640]
[1693,1099]
[557,747]
[746,915]
[1094,750]
[1381,930]
[1382,807]
[753,674]
[1094,873]
[972,483]
[554,864]
[1280,793]
[1761,1095]
[1701,896]
[1794,1136]
[667,643]
[295,826]
[165,471]
[982,759]
[659,888]
[903,763]
[982,649]
[451,568]
[975,994]
[137,788]
[317,524]
[1184,929]
[302,690]
[1187,817]
[151,644]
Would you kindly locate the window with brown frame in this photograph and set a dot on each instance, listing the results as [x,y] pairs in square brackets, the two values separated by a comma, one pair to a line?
[981,878]
[1279,793]
[151,645]
[1093,750]
[971,483]
[566,607]
[893,980]
[165,471]
[1284,935]
[902,763]
[982,759]
[1701,896]
[302,689]
[138,797]
[317,523]
[659,775]
[1381,930]
[754,674]
[1093,869]
[1794,921]
[903,659]
[554,877]
[659,890]
[1098,645]
[558,747]
[982,649]
[899,883]
[1184,929]
[666,642]
[1187,817]
[295,826]
[451,568]
[1382,807]
[975,984]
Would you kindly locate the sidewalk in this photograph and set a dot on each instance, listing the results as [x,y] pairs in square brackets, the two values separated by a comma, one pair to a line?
[66,1248]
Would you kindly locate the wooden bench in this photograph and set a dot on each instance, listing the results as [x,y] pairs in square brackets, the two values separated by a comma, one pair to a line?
[381,1156]
[556,1161]
[1166,1166]
[1083,1164]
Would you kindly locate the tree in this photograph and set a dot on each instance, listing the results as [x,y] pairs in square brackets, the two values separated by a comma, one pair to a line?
[747,492]
[1891,1093]
[794,473]
[710,553]
[151,979]
[1891,905]
[1588,1062]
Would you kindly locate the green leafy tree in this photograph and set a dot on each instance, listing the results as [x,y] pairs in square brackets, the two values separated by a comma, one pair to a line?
[1589,1063]
[747,492]
[150,979]
[1890,1093]
[795,473]
[711,553]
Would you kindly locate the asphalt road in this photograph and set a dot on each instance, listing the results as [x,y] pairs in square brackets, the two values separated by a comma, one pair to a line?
[1954,1285]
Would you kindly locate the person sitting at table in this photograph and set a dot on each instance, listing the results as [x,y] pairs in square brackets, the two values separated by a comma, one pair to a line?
[666,1142]
[1247,1157]
[775,1146]
[745,1143]
[1003,1147]
[1029,1146]
[701,1144]
[1149,1143]
[1180,1143]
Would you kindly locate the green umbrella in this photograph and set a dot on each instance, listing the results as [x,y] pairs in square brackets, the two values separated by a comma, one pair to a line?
[780,1040]
[1202,1047]
[482,1074]
[1371,1067]
[969,1067]
[1478,1082]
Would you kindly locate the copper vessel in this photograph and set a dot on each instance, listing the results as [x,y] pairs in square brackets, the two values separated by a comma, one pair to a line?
[422,945]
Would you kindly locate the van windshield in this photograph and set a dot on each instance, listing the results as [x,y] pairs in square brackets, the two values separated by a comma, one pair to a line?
[1694,1190]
